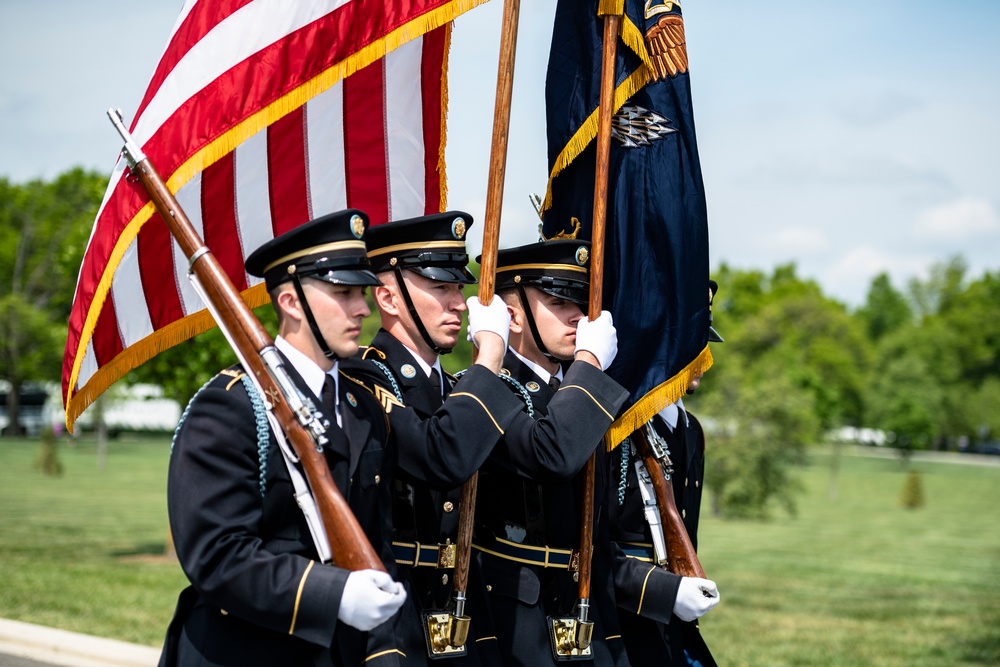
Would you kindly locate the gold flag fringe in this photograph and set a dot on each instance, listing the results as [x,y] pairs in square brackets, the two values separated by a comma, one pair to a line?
[605,7]
[588,130]
[135,355]
[655,400]
[77,401]
[441,166]
[633,38]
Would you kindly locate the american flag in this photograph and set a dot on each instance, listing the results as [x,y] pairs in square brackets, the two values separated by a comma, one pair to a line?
[261,115]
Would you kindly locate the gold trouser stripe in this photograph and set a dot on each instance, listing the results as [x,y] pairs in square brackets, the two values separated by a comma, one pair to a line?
[476,399]
[642,596]
[298,596]
[598,403]
[381,653]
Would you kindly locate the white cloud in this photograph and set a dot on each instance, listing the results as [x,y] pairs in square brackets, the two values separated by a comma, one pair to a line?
[850,276]
[800,240]
[959,219]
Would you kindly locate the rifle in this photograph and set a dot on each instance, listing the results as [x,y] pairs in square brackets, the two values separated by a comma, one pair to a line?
[302,424]
[681,557]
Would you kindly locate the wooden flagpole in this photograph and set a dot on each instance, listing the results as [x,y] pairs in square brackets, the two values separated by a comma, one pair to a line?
[584,628]
[487,278]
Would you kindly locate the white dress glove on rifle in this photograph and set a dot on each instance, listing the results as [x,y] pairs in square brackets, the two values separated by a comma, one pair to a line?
[370,598]
[599,338]
[493,318]
[695,598]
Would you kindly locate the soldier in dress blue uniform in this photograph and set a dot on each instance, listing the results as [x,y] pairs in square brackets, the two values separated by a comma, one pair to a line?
[259,594]
[445,428]
[659,610]
[528,507]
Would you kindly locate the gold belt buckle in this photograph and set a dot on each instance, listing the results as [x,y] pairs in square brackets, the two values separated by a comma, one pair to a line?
[446,555]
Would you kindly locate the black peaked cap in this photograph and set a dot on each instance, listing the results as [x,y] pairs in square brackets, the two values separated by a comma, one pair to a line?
[713,335]
[329,248]
[431,245]
[560,268]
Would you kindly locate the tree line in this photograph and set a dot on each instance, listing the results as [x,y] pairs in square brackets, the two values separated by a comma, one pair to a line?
[919,363]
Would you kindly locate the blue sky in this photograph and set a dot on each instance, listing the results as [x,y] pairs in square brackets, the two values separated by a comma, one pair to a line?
[849,141]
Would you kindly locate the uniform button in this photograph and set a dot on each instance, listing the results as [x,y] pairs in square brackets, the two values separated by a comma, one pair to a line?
[378,478]
[685,481]
[224,612]
[489,588]
[449,506]
[697,484]
[684,514]
[444,579]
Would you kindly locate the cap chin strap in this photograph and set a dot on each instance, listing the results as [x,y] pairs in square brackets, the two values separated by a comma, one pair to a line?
[413,313]
[327,352]
[531,323]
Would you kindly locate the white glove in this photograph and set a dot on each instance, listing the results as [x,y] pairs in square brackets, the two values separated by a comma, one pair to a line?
[695,598]
[599,338]
[493,318]
[370,598]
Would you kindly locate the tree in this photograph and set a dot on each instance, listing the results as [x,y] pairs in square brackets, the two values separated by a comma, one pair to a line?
[44,227]
[793,365]
[885,308]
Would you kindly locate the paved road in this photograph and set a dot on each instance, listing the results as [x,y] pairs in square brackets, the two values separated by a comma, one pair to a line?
[14,661]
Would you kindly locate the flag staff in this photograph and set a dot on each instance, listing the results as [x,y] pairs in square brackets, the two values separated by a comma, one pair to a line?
[573,636]
[448,632]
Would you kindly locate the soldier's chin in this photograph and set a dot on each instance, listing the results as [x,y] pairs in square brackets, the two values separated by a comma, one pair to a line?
[446,341]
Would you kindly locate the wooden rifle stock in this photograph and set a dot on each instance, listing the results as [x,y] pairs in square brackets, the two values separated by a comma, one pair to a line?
[349,545]
[681,556]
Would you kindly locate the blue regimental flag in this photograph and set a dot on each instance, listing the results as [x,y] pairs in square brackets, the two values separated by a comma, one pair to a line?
[656,247]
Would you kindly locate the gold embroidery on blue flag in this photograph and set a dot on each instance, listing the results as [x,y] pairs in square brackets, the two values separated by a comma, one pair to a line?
[667,47]
[661,8]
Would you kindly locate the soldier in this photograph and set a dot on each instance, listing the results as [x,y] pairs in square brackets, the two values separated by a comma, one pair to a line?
[258,594]
[528,510]
[659,610]
[445,428]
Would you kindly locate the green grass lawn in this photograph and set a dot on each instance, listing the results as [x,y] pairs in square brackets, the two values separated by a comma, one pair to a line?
[852,581]
[84,551]
[859,580]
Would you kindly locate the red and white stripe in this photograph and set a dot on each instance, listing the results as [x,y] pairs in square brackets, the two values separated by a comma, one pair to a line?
[254,74]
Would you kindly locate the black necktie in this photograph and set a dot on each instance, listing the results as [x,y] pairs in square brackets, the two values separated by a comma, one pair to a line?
[553,383]
[435,379]
[329,398]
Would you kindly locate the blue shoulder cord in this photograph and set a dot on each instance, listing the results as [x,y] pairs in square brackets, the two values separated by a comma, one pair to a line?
[625,447]
[525,396]
[392,379]
[260,417]
[263,429]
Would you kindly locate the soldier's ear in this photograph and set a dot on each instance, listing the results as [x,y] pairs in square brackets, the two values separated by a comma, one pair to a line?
[287,302]
[516,319]
[384,297]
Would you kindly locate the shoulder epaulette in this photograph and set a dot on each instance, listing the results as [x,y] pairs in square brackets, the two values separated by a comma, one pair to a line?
[519,388]
[234,373]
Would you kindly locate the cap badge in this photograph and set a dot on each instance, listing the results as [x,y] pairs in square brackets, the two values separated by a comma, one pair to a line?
[353,401]
[532,386]
[408,371]
[582,255]
[357,226]
[458,228]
